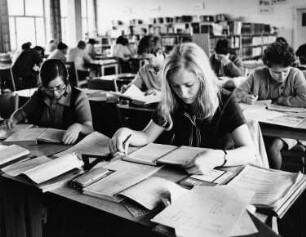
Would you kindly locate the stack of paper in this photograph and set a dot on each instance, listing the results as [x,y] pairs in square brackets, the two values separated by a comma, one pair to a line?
[205,211]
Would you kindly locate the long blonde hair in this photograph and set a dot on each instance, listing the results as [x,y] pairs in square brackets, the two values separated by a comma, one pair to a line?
[191,57]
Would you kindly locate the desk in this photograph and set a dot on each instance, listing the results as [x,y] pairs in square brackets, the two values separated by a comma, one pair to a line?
[71,201]
[102,65]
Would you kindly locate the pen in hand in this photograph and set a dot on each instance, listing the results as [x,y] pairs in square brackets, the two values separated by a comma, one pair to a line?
[124,144]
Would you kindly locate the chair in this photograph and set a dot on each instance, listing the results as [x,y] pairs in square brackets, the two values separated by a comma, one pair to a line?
[102,84]
[7,79]
[8,104]
[73,76]
[296,155]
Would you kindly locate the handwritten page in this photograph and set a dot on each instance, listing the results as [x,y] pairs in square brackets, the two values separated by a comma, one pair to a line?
[269,185]
[285,120]
[149,193]
[181,155]
[54,168]
[149,153]
[221,207]
[93,144]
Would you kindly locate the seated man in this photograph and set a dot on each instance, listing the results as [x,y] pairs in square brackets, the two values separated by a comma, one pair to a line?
[278,81]
[148,78]
[225,62]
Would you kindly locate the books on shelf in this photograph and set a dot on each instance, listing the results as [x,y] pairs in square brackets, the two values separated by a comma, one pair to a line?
[34,135]
[154,154]
[11,154]
[274,189]
[138,97]
[46,173]
[124,175]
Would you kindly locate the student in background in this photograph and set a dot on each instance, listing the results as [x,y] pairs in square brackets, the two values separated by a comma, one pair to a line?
[24,46]
[56,104]
[79,56]
[281,40]
[123,53]
[25,68]
[90,48]
[301,54]
[225,62]
[51,46]
[278,81]
[148,78]
[60,52]
[197,112]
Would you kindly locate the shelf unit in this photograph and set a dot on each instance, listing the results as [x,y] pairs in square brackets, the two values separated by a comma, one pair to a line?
[247,39]
[103,45]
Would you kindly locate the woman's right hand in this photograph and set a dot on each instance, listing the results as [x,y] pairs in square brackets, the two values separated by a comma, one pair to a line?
[116,143]
[9,123]
[124,88]
[251,99]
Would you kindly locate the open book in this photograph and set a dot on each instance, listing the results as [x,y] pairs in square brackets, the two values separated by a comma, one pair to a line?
[153,154]
[124,175]
[11,154]
[34,135]
[137,96]
[275,190]
[46,173]
[5,132]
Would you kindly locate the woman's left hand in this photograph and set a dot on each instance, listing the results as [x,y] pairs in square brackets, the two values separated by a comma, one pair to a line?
[72,134]
[205,161]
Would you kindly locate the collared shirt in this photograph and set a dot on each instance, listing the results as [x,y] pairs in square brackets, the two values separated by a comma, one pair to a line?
[148,78]
[79,57]
[52,113]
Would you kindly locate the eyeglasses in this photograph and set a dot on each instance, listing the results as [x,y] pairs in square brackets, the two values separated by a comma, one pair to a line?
[60,88]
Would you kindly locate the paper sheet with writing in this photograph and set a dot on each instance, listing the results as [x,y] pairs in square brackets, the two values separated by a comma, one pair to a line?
[29,134]
[205,211]
[93,144]
[270,186]
[149,193]
[283,108]
[5,133]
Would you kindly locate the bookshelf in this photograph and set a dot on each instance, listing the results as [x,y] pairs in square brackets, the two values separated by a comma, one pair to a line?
[248,40]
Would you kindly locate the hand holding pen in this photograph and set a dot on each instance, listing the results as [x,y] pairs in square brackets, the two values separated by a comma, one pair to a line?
[251,98]
[120,142]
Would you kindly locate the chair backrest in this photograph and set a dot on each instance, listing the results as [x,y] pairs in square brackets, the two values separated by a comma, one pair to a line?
[8,104]
[100,84]
[73,76]
[7,79]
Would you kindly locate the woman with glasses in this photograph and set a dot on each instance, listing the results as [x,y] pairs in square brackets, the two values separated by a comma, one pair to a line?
[279,82]
[198,113]
[56,104]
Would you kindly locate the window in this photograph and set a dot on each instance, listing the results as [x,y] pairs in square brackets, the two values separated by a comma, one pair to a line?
[26,22]
[84,6]
[64,19]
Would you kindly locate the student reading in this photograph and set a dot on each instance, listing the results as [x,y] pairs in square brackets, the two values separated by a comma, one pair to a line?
[198,112]
[148,78]
[56,104]
[281,83]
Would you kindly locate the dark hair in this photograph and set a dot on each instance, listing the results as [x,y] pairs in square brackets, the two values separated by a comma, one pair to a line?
[81,44]
[26,45]
[301,53]
[61,45]
[91,41]
[122,40]
[281,40]
[278,53]
[40,50]
[222,47]
[51,69]
[149,44]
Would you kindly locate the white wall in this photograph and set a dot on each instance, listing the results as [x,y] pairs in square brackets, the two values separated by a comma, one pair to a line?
[281,17]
